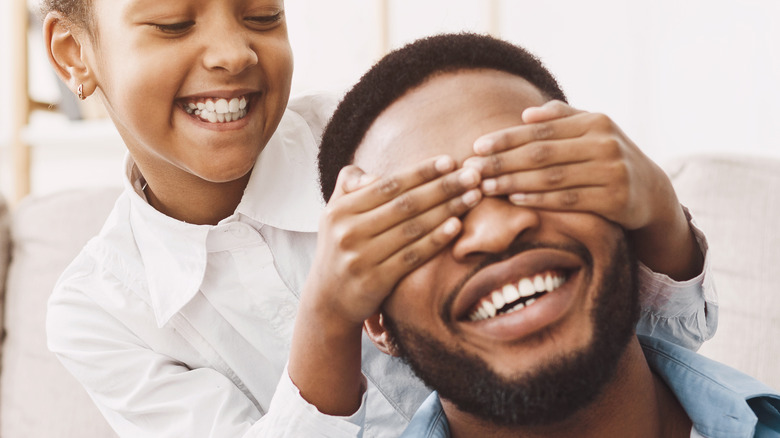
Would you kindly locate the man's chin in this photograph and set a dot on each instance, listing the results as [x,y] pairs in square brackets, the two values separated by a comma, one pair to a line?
[543,395]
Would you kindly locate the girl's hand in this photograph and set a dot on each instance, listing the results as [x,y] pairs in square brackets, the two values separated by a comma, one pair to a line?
[567,159]
[373,232]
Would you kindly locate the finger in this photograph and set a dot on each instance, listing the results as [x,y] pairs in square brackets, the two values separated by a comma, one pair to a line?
[387,188]
[596,200]
[568,127]
[535,155]
[553,109]
[558,177]
[350,179]
[405,233]
[412,256]
[457,187]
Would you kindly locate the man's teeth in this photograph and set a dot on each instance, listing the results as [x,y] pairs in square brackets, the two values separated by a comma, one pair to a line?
[218,111]
[516,296]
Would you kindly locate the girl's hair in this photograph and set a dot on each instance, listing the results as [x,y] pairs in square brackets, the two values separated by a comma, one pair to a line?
[79,12]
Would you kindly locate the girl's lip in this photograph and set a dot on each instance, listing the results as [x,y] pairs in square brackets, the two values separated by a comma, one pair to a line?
[233,125]
[218,94]
[495,276]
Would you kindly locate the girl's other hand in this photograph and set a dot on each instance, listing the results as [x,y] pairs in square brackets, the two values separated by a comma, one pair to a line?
[566,159]
[376,230]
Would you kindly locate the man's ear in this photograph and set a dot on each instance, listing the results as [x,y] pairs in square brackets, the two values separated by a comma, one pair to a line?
[377,332]
[66,45]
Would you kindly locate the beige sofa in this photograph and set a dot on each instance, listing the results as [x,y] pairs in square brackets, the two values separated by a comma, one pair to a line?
[736,200]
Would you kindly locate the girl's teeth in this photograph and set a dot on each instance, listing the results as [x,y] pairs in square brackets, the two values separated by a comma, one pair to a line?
[233,105]
[219,110]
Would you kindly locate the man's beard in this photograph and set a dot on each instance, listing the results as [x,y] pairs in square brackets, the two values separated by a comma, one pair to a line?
[557,389]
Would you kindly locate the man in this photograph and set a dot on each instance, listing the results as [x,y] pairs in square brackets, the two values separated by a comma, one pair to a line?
[525,324]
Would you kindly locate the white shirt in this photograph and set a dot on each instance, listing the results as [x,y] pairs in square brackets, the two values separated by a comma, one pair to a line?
[180,330]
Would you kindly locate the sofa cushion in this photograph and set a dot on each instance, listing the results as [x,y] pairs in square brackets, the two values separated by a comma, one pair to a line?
[736,201]
[38,397]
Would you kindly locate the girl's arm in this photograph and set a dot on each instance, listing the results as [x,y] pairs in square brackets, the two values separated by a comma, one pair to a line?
[373,232]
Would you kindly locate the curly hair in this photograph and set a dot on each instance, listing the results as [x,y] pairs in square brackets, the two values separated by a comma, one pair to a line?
[408,67]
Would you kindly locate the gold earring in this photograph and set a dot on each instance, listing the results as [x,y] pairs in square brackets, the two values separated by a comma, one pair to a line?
[81,92]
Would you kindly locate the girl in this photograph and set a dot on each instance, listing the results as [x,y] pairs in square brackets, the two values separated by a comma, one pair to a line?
[177,318]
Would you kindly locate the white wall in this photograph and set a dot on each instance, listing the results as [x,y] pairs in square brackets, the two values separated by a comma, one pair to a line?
[680,77]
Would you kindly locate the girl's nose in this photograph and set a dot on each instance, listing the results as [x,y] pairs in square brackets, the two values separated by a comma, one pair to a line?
[492,227]
[230,51]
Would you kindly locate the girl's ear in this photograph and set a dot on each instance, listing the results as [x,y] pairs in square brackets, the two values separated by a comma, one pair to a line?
[377,332]
[67,45]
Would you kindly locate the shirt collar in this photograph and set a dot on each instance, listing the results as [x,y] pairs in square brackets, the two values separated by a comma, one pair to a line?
[173,252]
[714,396]
[283,192]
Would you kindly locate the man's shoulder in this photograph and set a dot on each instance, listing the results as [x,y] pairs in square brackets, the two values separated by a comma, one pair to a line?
[720,400]
[429,421]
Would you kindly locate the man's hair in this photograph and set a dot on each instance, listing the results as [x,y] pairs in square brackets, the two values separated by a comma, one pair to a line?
[408,67]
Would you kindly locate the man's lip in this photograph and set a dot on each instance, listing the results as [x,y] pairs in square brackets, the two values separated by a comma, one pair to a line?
[496,275]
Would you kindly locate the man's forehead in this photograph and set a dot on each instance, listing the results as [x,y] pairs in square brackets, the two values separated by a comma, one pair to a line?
[444,116]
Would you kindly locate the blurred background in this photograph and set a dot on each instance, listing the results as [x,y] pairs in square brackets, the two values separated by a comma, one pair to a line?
[680,77]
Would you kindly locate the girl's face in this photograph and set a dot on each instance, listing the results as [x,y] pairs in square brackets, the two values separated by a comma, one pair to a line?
[195,87]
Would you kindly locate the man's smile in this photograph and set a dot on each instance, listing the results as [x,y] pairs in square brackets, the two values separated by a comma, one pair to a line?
[515,296]
[520,295]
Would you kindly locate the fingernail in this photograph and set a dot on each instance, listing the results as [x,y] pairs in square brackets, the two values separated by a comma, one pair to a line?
[469,177]
[444,164]
[518,198]
[450,226]
[473,163]
[365,180]
[483,145]
[471,198]
[489,186]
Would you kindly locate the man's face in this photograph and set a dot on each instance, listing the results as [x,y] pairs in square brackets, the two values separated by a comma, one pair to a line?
[566,277]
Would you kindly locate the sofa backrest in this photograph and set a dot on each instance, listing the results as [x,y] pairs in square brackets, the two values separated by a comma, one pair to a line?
[38,397]
[736,202]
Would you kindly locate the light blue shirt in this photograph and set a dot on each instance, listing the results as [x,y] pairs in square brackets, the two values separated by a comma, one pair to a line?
[720,401]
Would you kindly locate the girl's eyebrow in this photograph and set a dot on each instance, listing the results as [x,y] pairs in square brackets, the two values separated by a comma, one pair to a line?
[146,7]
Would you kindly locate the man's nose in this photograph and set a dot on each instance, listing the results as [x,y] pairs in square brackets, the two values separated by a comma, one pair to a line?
[492,227]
